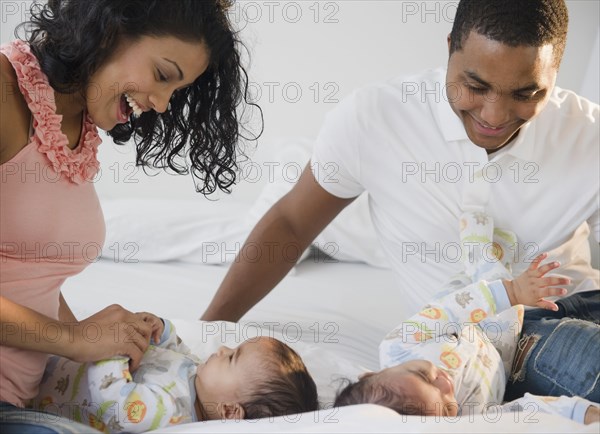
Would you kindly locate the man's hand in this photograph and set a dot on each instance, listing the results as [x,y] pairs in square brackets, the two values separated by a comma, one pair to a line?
[531,287]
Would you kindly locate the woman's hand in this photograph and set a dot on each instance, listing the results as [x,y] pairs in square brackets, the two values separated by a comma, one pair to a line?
[531,287]
[114,331]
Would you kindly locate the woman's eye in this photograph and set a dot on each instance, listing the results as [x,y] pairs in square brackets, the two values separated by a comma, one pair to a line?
[161,77]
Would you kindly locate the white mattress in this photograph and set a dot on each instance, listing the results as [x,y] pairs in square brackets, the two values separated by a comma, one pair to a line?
[333,314]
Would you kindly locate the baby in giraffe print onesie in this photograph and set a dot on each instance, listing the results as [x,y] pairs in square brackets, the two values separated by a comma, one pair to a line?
[454,356]
[262,377]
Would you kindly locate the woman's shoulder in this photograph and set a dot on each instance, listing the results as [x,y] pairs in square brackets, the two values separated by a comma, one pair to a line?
[14,113]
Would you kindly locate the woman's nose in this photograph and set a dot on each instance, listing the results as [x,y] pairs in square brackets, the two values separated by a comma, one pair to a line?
[160,101]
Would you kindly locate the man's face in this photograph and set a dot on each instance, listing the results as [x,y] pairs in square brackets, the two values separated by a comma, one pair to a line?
[495,88]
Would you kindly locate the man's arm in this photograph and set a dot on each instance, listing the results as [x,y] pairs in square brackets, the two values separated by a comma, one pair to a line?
[289,226]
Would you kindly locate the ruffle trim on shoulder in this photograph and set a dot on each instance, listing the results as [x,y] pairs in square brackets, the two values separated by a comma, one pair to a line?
[79,165]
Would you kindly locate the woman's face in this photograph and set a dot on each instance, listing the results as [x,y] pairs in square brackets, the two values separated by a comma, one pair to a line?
[147,70]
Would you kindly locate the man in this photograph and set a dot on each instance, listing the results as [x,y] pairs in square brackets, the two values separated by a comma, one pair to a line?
[492,133]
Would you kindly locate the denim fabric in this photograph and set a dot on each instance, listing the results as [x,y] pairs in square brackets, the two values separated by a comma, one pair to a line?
[15,420]
[565,356]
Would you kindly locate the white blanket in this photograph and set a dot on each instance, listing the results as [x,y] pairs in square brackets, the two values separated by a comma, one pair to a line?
[333,314]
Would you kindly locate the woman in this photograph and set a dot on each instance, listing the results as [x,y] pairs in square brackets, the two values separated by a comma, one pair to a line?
[166,74]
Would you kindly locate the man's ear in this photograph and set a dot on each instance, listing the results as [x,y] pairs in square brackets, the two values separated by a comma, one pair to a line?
[449,42]
[231,410]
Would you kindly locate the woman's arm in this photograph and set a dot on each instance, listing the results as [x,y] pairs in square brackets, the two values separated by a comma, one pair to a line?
[14,113]
[64,311]
[112,331]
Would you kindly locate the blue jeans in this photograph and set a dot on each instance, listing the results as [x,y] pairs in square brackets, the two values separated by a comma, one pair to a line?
[15,420]
[559,352]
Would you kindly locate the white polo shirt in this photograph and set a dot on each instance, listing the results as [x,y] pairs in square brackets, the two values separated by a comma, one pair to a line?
[401,143]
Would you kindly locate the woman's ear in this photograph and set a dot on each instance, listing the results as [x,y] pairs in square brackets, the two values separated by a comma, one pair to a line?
[231,410]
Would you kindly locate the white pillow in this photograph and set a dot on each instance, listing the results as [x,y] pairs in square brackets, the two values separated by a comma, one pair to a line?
[156,230]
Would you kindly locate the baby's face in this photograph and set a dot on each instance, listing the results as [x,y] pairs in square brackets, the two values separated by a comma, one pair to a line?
[225,376]
[426,387]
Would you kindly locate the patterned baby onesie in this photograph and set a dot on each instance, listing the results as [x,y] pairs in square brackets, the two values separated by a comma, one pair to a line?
[462,332]
[106,396]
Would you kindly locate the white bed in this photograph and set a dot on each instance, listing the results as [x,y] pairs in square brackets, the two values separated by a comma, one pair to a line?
[334,313]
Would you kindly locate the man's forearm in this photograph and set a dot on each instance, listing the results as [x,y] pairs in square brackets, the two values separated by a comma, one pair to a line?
[260,265]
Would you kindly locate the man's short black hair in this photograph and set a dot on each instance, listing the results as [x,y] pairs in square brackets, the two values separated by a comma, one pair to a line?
[513,22]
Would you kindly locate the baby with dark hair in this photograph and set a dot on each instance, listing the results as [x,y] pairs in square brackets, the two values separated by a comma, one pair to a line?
[262,377]
[449,359]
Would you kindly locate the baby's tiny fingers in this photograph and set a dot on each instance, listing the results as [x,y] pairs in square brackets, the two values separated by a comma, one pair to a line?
[548,267]
[539,258]
[555,281]
[558,292]
[547,304]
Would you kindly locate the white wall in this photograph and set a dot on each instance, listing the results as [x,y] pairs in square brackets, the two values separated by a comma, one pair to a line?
[325,49]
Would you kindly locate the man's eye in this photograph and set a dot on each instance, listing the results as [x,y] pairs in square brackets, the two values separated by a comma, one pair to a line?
[520,97]
[477,90]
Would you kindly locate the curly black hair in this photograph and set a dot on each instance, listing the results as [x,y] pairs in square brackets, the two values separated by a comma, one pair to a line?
[513,22]
[205,123]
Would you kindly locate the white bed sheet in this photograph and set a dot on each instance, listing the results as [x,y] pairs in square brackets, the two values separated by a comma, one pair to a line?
[333,314]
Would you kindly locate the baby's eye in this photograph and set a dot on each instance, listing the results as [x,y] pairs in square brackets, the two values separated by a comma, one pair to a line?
[423,375]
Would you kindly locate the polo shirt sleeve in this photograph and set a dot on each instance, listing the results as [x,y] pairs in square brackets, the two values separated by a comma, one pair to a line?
[335,162]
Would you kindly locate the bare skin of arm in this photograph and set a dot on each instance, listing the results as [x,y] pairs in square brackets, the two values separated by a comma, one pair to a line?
[64,311]
[119,332]
[289,226]
[110,332]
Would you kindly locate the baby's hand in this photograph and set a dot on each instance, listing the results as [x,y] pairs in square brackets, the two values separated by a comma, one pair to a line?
[156,323]
[531,287]
[592,415]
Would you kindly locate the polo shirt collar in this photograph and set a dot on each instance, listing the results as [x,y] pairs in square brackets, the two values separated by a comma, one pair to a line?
[453,130]
[450,124]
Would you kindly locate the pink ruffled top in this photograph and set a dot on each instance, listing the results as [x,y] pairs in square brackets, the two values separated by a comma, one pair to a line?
[52,224]
[80,164]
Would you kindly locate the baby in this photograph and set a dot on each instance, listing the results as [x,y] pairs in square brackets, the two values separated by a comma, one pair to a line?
[447,360]
[262,377]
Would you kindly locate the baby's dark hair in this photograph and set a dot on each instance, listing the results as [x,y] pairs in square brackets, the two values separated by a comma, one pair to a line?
[367,391]
[514,23]
[72,39]
[370,391]
[288,390]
